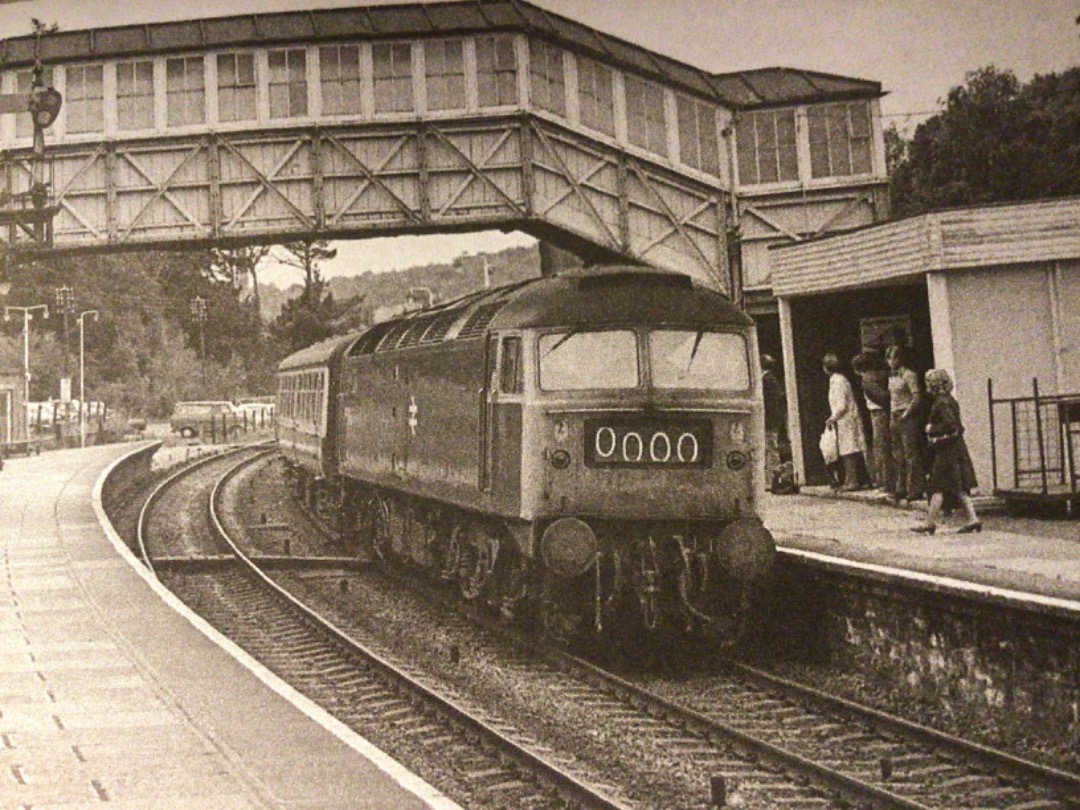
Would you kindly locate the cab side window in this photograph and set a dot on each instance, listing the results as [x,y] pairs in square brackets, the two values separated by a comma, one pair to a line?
[511,375]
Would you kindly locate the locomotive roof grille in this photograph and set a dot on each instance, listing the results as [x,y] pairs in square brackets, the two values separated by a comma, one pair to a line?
[476,325]
[392,337]
[641,279]
[370,339]
[418,326]
[440,327]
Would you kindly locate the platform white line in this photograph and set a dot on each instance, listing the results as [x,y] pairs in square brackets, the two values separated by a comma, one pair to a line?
[965,586]
[408,780]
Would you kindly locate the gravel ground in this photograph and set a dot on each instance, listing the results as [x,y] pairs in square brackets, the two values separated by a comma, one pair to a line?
[484,671]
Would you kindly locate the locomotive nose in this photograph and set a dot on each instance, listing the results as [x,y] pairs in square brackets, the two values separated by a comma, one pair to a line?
[568,547]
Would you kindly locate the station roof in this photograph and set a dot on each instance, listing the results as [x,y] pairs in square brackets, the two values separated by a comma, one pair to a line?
[744,89]
[907,249]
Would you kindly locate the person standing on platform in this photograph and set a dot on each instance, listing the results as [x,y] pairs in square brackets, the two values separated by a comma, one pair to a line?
[844,417]
[951,470]
[772,390]
[874,375]
[905,402]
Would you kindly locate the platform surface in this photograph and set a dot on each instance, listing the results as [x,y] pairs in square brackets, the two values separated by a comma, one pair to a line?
[1031,558]
[111,697]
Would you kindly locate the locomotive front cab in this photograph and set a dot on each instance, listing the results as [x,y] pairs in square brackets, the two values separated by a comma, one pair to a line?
[645,479]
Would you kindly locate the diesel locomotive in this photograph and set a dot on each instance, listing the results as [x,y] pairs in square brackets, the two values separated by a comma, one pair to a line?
[585,449]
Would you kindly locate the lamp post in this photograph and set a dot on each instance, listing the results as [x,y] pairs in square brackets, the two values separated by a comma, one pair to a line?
[82,374]
[27,313]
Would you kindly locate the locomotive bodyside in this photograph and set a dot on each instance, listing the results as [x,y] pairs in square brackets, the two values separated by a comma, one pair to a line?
[587,444]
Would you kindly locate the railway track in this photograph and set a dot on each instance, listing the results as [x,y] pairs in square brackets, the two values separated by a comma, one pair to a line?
[388,703]
[753,742]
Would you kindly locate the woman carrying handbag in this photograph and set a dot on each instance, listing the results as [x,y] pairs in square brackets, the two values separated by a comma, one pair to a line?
[844,418]
[951,471]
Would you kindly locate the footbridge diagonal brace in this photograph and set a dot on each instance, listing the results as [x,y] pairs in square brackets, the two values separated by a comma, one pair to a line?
[371,179]
[163,190]
[576,186]
[266,182]
[477,171]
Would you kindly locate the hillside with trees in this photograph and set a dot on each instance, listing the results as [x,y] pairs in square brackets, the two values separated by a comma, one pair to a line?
[198,325]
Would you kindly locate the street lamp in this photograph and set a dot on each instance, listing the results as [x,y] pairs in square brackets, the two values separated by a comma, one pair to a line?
[27,313]
[82,375]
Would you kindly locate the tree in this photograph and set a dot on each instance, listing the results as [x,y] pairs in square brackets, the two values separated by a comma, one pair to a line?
[236,264]
[310,317]
[306,256]
[996,141]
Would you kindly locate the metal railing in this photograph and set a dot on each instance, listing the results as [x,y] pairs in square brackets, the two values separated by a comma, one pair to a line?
[1044,441]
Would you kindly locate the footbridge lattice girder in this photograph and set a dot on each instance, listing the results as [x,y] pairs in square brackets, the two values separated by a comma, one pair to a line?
[355,181]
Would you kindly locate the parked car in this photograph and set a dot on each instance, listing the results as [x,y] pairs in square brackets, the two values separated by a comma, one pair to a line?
[194,418]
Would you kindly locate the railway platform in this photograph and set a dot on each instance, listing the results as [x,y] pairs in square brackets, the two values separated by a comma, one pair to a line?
[113,694]
[1012,558]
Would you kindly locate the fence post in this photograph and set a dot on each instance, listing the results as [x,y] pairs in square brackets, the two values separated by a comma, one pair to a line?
[993,437]
[1039,433]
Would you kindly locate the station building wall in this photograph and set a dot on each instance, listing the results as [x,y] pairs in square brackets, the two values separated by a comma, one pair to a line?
[1009,324]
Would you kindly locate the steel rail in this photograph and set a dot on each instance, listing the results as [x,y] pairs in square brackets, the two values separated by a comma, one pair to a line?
[1014,765]
[156,493]
[574,791]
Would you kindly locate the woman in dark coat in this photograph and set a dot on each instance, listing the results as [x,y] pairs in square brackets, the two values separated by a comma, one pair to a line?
[951,471]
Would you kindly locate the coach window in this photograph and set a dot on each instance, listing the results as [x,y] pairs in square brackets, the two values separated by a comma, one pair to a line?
[84,98]
[24,81]
[185,91]
[496,71]
[288,83]
[645,121]
[444,69]
[699,146]
[339,75]
[767,146]
[135,95]
[392,63]
[595,95]
[839,139]
[511,375]
[236,87]
[547,85]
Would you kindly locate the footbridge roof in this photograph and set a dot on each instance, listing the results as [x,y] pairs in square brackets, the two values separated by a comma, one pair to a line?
[736,90]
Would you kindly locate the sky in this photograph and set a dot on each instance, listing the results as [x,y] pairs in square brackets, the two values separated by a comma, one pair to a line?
[917,49]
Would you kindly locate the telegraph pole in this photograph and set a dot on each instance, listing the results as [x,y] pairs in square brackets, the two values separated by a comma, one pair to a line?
[65,305]
[198,312]
[82,375]
[27,313]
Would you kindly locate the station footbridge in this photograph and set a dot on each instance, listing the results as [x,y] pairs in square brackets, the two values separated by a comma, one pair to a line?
[421,118]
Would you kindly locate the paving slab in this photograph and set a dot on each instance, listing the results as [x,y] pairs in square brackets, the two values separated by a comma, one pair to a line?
[113,694]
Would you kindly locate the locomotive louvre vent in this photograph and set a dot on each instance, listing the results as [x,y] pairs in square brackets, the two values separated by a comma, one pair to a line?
[440,327]
[477,323]
[412,335]
[370,339]
[390,341]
